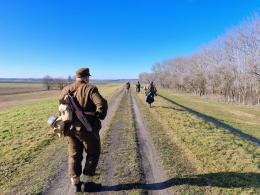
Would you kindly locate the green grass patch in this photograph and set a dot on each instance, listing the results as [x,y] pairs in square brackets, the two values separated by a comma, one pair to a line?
[30,153]
[24,134]
[244,118]
[208,158]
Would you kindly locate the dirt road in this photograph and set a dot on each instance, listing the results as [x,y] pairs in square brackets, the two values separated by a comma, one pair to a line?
[60,184]
[129,162]
[119,165]
[154,173]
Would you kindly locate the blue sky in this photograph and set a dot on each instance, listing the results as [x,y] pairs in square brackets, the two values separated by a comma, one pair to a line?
[116,39]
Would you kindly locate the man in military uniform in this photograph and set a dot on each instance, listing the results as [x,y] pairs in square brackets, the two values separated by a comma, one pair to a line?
[94,107]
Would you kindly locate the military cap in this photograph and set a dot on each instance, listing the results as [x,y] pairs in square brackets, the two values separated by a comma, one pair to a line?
[82,72]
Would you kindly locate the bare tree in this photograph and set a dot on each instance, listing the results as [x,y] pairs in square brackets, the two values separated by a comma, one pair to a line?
[47,81]
[60,83]
[227,67]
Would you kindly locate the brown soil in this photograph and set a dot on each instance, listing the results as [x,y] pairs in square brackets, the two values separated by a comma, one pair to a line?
[17,88]
[7,101]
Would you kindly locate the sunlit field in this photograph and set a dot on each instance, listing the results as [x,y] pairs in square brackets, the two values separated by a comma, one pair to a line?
[206,158]
[30,153]
[244,118]
[16,88]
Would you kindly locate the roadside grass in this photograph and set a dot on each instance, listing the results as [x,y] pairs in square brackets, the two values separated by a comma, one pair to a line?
[110,90]
[209,159]
[24,134]
[242,117]
[30,153]
[174,158]
[119,160]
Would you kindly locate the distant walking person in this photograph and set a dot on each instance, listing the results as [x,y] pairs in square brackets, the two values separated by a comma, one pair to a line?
[94,108]
[127,86]
[138,87]
[145,89]
[150,93]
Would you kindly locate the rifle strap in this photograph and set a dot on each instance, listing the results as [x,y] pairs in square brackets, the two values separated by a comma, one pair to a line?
[90,113]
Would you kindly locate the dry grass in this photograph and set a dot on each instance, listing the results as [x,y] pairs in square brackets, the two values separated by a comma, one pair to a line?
[8,101]
[28,149]
[16,88]
[26,98]
[245,118]
[210,159]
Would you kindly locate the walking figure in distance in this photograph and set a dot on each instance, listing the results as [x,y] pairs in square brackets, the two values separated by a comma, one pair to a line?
[138,86]
[127,86]
[150,93]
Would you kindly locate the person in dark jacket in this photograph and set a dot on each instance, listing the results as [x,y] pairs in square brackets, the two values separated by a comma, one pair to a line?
[150,93]
[127,86]
[138,87]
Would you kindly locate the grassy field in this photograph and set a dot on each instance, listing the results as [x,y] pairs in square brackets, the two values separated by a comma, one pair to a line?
[16,88]
[28,148]
[200,157]
[28,93]
[244,118]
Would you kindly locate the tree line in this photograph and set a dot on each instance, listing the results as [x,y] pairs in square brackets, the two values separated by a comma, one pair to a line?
[228,67]
[56,83]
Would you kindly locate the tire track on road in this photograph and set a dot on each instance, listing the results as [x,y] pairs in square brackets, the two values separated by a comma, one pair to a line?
[153,170]
[120,169]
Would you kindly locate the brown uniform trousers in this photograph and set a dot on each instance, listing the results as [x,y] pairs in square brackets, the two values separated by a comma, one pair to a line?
[79,139]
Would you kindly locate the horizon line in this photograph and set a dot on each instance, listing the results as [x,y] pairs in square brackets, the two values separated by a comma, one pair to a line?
[34,78]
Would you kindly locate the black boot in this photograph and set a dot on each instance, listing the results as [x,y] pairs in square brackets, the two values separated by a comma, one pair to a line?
[77,187]
[91,187]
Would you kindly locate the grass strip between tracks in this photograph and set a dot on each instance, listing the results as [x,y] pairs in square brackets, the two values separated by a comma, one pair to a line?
[119,163]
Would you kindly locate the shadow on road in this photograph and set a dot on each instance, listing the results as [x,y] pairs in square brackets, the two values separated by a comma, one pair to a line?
[216,122]
[222,179]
